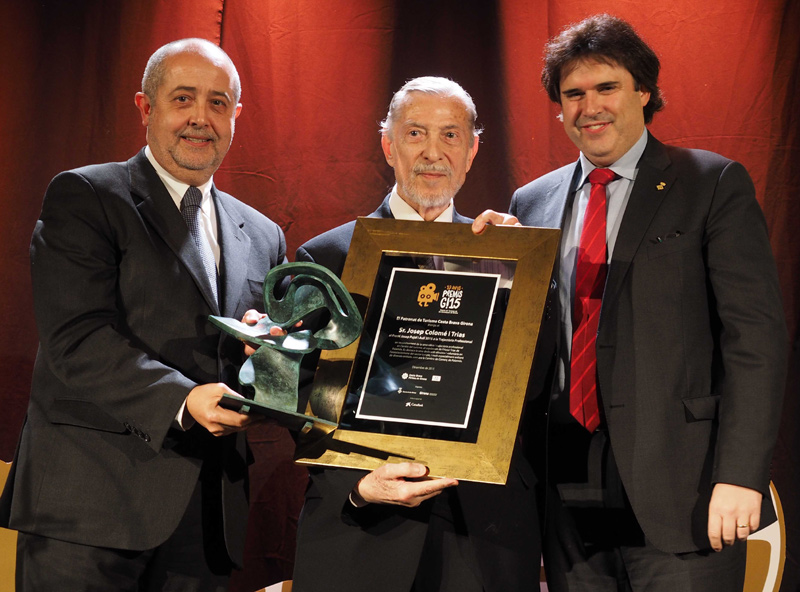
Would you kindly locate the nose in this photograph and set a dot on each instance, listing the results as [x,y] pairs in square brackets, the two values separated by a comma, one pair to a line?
[197,117]
[592,103]
[432,151]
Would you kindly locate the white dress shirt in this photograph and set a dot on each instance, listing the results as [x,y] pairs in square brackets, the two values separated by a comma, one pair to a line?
[208,220]
[177,189]
[618,192]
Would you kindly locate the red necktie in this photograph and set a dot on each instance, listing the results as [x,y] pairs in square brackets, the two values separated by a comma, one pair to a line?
[590,280]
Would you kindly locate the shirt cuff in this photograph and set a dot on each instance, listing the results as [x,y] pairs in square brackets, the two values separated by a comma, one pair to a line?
[183,421]
[356,499]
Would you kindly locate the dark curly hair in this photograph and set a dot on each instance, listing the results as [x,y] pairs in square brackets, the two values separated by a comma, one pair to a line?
[606,39]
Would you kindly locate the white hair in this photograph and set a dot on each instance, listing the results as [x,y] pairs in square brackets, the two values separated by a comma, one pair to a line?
[433,85]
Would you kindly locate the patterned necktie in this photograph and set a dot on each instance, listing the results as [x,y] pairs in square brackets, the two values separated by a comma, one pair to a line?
[190,209]
[590,280]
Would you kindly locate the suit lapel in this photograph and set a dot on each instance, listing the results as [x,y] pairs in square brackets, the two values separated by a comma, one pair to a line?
[553,205]
[459,219]
[554,208]
[235,249]
[643,204]
[155,205]
[383,211]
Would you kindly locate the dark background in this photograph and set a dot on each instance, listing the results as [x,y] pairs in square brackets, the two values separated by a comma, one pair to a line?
[317,76]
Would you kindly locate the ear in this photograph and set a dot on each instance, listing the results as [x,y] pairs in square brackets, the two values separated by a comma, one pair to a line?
[645,96]
[472,152]
[145,107]
[237,111]
[386,144]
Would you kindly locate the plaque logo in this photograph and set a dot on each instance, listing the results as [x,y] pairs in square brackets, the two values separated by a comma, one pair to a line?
[427,294]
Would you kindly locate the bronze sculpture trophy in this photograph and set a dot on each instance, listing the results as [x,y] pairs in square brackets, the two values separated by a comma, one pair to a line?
[274,369]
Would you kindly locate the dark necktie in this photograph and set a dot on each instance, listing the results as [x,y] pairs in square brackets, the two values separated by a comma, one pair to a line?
[190,209]
[590,280]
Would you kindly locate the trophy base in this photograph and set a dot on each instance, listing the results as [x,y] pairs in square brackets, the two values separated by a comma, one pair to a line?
[288,419]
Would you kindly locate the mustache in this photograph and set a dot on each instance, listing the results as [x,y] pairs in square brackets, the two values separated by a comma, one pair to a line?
[197,133]
[430,168]
[592,120]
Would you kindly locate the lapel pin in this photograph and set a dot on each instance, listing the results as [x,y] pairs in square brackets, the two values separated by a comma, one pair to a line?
[661,185]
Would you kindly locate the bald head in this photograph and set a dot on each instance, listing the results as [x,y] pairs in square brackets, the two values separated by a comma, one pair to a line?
[157,64]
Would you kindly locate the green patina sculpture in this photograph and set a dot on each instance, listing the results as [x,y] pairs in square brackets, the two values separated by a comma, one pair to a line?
[274,369]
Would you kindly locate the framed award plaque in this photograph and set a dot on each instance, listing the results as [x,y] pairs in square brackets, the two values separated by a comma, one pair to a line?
[439,373]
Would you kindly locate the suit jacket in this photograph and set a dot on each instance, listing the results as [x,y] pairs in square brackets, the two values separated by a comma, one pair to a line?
[121,303]
[378,547]
[691,345]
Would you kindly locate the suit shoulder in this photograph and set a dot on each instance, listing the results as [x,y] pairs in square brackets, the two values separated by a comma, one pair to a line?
[94,186]
[329,249]
[546,182]
[336,238]
[108,173]
[698,160]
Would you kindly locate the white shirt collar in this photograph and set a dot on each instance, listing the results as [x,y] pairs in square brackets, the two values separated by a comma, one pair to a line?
[401,210]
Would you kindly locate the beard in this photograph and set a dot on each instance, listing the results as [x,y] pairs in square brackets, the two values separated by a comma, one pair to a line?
[188,159]
[194,162]
[430,199]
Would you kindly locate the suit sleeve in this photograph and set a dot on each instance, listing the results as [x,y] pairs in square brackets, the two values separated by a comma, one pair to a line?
[302,255]
[513,207]
[75,257]
[752,336]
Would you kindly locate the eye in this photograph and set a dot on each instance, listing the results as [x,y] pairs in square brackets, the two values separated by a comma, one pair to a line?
[182,99]
[573,95]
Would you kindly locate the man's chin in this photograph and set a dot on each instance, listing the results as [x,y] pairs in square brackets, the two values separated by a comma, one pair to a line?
[430,200]
[195,162]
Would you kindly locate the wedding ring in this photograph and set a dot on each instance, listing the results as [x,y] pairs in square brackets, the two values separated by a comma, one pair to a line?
[742,526]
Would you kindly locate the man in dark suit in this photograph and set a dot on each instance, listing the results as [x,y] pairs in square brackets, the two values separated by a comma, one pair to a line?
[129,475]
[667,360]
[390,529]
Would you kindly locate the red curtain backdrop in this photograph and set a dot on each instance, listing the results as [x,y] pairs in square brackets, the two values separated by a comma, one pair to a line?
[317,76]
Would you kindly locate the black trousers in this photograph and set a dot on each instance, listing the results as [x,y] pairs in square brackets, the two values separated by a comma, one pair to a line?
[592,541]
[447,563]
[189,561]
[573,565]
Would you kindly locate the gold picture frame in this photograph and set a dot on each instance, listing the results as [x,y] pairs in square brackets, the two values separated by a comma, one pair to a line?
[486,460]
